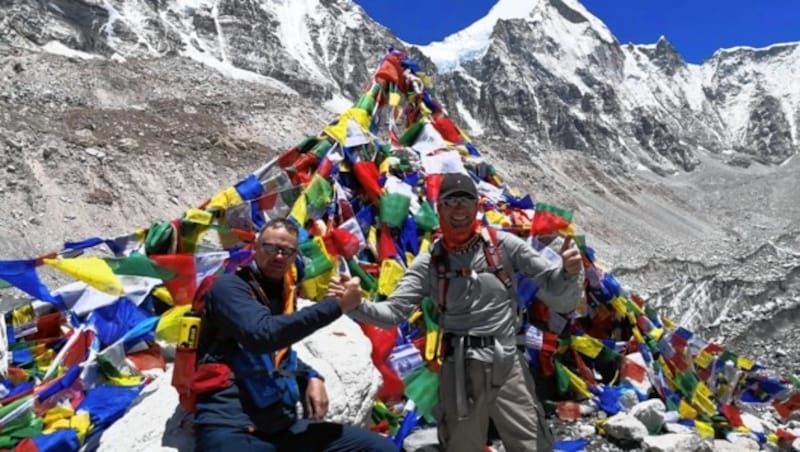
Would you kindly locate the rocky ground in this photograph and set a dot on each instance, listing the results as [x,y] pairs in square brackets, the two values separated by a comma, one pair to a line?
[101,148]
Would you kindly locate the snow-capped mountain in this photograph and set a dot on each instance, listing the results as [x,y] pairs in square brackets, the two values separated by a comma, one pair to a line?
[320,48]
[545,70]
[552,72]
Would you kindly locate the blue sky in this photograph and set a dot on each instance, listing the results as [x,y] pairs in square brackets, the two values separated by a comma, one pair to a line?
[695,27]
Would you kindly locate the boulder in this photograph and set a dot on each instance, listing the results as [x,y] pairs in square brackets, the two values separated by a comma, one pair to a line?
[340,352]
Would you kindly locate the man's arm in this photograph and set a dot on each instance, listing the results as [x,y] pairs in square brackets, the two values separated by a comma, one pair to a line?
[560,290]
[237,312]
[413,286]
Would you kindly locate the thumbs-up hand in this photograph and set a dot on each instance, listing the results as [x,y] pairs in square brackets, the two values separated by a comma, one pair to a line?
[346,290]
[571,257]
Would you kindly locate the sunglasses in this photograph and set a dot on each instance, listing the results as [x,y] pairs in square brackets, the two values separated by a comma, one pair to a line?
[273,249]
[458,201]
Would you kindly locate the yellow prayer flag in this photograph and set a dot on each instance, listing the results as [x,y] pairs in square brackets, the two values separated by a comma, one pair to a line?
[22,315]
[686,411]
[744,363]
[338,131]
[81,423]
[464,135]
[667,371]
[390,274]
[198,216]
[91,270]
[704,404]
[225,199]
[703,389]
[372,238]
[169,325]
[668,324]
[638,335]
[316,287]
[619,305]
[587,346]
[162,293]
[773,438]
[568,231]
[425,243]
[126,380]
[577,384]
[394,99]
[497,218]
[384,167]
[300,209]
[44,358]
[431,341]
[656,333]
[57,418]
[141,233]
[704,429]
[703,359]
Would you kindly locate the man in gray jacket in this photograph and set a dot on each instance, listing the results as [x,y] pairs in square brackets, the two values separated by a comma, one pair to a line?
[483,374]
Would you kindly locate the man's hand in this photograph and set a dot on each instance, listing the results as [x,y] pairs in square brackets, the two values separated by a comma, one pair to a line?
[346,290]
[571,257]
[316,401]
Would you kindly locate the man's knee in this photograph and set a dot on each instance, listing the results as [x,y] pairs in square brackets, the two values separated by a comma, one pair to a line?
[368,441]
[212,439]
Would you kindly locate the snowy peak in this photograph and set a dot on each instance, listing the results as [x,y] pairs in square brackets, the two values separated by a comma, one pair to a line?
[664,55]
[473,41]
[320,48]
[555,17]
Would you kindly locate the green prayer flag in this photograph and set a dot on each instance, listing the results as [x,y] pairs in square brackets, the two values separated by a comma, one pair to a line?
[368,283]
[138,264]
[426,218]
[686,383]
[4,284]
[308,143]
[429,314]
[422,386]
[319,192]
[410,135]
[394,209]
[562,378]
[314,260]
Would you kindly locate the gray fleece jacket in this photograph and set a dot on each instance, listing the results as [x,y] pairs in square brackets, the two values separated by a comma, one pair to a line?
[478,305]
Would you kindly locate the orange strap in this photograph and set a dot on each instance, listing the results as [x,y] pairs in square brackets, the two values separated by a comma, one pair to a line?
[289,292]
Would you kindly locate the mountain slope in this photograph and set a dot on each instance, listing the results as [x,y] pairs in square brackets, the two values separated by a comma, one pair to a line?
[553,73]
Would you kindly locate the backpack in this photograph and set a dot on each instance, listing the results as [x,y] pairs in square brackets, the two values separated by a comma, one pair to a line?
[191,378]
[494,260]
[187,378]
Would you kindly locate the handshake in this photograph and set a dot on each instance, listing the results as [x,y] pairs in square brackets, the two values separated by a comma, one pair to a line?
[346,290]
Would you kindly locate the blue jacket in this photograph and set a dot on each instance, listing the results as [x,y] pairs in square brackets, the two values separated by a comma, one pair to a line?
[234,316]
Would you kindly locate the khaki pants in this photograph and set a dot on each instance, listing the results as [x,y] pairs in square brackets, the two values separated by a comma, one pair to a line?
[513,407]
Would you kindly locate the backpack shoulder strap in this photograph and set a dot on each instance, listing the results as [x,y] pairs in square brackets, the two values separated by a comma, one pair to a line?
[491,251]
[441,265]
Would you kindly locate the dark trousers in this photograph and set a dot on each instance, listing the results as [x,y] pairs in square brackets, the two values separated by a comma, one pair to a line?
[302,436]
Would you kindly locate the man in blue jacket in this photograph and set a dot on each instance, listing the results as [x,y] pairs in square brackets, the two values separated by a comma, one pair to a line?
[249,325]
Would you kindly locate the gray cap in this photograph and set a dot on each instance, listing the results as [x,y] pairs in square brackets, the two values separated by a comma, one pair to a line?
[454,183]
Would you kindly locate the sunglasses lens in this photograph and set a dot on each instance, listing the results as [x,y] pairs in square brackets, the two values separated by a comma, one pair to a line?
[274,249]
[457,201]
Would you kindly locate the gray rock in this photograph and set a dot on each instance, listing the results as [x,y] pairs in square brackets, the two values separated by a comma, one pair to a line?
[625,427]
[651,413]
[422,440]
[675,442]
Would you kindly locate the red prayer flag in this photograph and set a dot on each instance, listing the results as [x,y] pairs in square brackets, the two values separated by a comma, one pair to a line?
[367,175]
[632,370]
[183,286]
[447,129]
